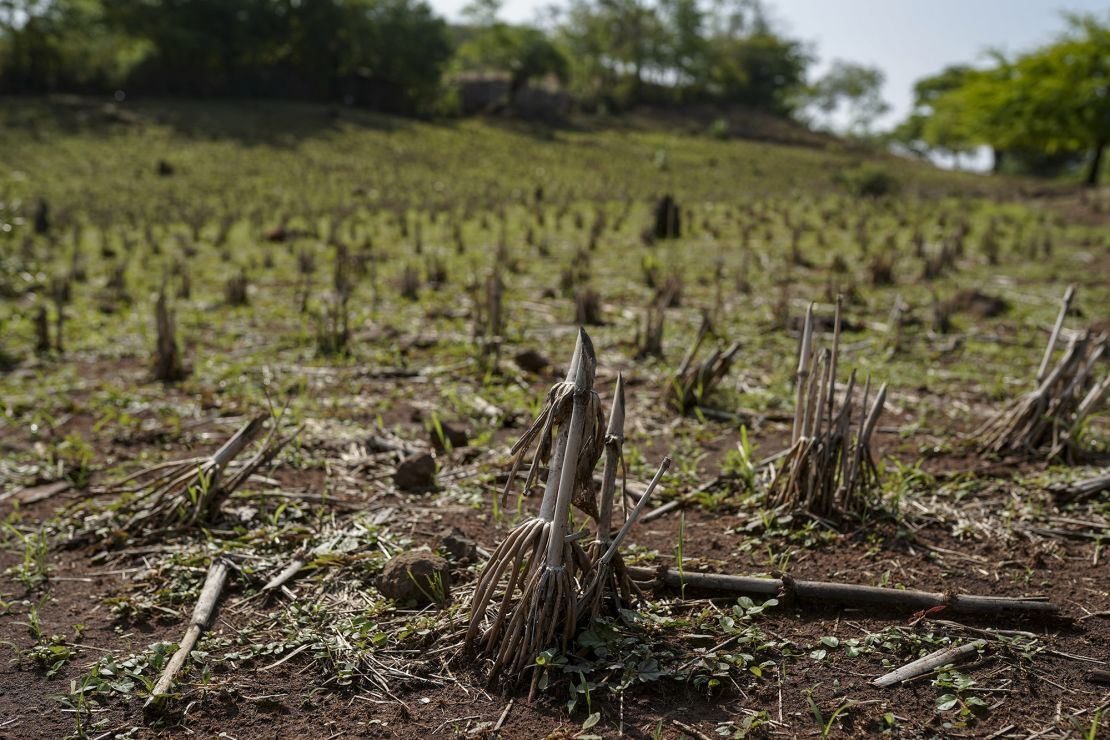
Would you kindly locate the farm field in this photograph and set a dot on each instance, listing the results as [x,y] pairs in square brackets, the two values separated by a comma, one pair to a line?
[394,300]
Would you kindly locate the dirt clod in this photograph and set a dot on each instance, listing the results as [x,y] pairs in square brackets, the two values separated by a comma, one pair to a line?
[416,576]
[448,435]
[416,473]
[531,361]
[457,544]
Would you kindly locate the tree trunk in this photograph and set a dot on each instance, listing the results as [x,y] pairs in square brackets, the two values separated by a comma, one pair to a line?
[1096,165]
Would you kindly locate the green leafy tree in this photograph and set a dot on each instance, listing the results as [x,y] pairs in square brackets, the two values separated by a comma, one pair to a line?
[522,52]
[614,46]
[684,49]
[924,131]
[1062,93]
[854,87]
[761,70]
[62,45]
[289,48]
[1046,104]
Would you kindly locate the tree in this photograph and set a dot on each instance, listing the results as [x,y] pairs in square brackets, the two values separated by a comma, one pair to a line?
[48,45]
[761,71]
[1063,93]
[614,46]
[522,52]
[856,87]
[1041,106]
[391,52]
[403,45]
[925,129]
[684,48]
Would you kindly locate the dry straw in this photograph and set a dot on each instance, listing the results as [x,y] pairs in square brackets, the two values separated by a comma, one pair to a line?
[1049,419]
[828,470]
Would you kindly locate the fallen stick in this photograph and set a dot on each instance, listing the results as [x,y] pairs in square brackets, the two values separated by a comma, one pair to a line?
[1065,305]
[202,613]
[689,496]
[929,663]
[284,576]
[689,730]
[680,501]
[825,592]
[295,565]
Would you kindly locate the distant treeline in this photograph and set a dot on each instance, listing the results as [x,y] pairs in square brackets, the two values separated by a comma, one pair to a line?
[1046,111]
[397,55]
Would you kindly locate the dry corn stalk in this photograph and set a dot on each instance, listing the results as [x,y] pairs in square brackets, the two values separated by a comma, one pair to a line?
[694,381]
[533,592]
[650,343]
[202,614]
[827,471]
[489,326]
[183,493]
[536,557]
[608,583]
[168,366]
[1049,419]
[608,576]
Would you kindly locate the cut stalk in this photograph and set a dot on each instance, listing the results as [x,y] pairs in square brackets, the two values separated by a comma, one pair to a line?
[202,613]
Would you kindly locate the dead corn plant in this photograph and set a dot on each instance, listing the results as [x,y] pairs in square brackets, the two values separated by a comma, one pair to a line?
[608,586]
[694,381]
[587,307]
[649,340]
[42,331]
[489,321]
[410,283]
[184,282]
[536,558]
[827,471]
[1049,420]
[540,584]
[881,268]
[168,366]
[333,330]
[182,493]
[235,289]
[60,292]
[436,270]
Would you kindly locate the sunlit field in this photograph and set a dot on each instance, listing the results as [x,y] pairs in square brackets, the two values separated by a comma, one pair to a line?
[374,310]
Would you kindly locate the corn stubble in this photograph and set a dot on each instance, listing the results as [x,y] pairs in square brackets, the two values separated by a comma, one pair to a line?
[1048,421]
[694,381]
[540,585]
[181,494]
[828,471]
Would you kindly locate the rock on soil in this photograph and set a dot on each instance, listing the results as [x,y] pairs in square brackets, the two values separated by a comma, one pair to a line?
[453,436]
[456,544]
[416,576]
[531,361]
[416,473]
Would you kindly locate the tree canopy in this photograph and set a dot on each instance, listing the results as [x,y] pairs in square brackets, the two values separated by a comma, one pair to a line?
[858,88]
[1051,101]
[394,54]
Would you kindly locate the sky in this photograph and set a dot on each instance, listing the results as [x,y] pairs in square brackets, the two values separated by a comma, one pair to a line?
[907,39]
